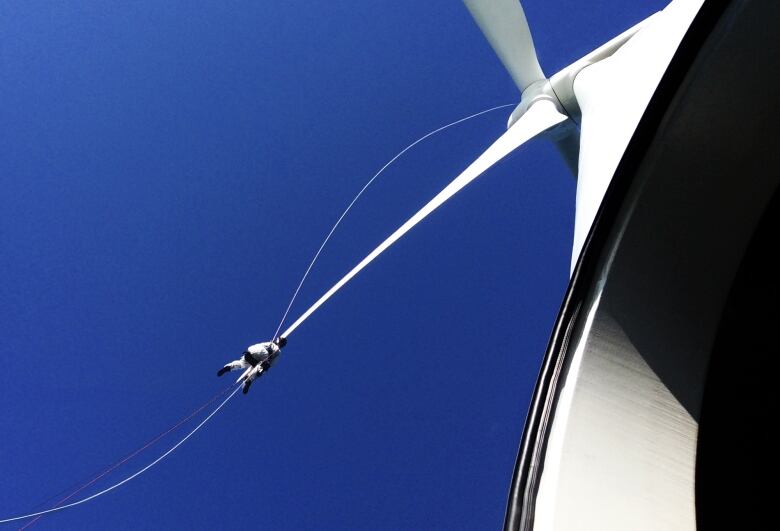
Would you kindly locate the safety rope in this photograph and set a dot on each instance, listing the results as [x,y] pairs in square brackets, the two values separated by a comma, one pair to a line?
[539,118]
[360,193]
[129,456]
[59,507]
[129,478]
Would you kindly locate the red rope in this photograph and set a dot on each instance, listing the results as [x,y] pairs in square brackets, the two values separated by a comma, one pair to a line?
[133,454]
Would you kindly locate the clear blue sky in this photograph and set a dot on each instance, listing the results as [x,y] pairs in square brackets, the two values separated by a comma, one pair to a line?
[167,171]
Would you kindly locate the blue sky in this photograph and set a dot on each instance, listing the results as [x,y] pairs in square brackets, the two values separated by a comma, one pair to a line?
[167,171]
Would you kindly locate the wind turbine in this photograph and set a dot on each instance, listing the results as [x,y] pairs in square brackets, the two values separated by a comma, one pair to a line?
[590,108]
[669,315]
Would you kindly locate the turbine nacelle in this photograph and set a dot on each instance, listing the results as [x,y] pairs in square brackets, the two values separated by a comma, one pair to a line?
[539,90]
[505,26]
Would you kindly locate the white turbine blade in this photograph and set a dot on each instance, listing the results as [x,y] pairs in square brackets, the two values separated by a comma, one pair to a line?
[613,95]
[539,118]
[504,24]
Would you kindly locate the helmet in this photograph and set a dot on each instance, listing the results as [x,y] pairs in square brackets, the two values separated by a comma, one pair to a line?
[281,341]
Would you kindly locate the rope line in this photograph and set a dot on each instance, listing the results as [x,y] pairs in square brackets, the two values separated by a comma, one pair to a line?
[58,507]
[539,118]
[129,478]
[129,456]
[360,193]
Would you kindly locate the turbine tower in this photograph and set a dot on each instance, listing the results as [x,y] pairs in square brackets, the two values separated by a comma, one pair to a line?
[651,404]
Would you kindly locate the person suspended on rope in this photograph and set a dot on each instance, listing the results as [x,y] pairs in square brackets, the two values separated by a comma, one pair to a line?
[255,361]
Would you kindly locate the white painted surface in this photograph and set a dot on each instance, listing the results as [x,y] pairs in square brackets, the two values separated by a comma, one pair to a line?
[504,25]
[622,449]
[613,95]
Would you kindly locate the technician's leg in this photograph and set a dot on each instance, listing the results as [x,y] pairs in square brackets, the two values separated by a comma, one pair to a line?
[239,364]
[251,377]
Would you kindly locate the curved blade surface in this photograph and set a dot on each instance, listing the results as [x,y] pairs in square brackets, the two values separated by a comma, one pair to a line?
[504,25]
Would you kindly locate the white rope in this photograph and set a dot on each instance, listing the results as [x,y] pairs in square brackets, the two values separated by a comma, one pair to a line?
[288,332]
[147,467]
[541,116]
[377,174]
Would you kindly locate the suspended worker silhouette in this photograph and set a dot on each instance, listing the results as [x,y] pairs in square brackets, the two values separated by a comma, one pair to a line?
[255,361]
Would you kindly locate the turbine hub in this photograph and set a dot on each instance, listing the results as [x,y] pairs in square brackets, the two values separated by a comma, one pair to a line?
[536,91]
